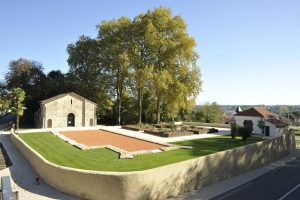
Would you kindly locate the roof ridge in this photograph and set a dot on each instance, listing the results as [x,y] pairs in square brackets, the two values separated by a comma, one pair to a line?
[64,94]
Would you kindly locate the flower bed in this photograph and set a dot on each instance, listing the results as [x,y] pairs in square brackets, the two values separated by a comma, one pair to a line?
[168,133]
[198,130]
[132,127]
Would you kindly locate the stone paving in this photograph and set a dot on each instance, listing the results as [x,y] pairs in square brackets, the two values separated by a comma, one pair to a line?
[141,135]
[23,177]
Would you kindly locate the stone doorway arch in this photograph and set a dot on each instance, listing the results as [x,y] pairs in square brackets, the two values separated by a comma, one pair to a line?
[71,119]
[49,123]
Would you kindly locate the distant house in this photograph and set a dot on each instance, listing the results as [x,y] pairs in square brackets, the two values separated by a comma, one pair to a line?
[65,110]
[273,123]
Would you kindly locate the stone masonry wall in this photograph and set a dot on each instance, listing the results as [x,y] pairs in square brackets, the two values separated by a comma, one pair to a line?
[59,109]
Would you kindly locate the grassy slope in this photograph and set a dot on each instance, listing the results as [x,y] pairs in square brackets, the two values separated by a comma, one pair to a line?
[297,132]
[62,153]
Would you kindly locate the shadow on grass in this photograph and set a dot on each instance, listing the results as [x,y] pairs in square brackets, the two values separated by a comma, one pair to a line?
[23,174]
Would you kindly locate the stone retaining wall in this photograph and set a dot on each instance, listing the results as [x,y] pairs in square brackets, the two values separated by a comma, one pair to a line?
[161,182]
[208,124]
[6,126]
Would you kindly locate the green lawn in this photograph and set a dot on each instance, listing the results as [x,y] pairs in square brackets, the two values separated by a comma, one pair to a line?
[297,132]
[62,153]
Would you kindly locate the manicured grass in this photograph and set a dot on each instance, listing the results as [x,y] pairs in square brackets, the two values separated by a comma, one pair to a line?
[62,153]
[297,132]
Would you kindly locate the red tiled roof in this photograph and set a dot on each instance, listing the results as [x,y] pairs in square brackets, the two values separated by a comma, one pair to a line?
[277,122]
[257,112]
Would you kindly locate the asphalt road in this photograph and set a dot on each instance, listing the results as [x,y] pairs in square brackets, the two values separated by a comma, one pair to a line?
[282,183]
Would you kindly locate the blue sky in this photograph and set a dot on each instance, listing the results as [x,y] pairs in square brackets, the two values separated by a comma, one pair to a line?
[249,50]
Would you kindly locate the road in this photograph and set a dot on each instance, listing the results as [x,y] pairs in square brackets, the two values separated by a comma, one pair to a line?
[282,183]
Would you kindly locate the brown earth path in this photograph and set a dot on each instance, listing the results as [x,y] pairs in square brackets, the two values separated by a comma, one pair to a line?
[99,138]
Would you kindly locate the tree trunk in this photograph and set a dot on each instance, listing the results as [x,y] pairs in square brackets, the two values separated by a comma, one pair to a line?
[120,105]
[119,111]
[140,105]
[18,119]
[158,111]
[119,94]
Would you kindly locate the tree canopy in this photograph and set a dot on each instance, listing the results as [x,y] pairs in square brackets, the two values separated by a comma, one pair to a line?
[209,113]
[137,70]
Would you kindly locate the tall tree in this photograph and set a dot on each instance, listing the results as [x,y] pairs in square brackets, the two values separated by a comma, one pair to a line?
[4,99]
[17,97]
[85,65]
[139,57]
[171,59]
[29,76]
[209,113]
[55,83]
[86,75]
[114,41]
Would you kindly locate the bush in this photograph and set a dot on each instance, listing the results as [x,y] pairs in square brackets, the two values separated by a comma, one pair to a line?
[245,133]
[248,124]
[234,130]
[213,130]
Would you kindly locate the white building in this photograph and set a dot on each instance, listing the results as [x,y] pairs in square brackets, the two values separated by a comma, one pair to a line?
[64,110]
[273,125]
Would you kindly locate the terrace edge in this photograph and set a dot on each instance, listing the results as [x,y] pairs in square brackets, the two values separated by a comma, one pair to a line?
[162,182]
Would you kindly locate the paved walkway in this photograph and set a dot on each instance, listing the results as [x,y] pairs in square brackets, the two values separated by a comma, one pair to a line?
[22,176]
[135,134]
[218,188]
[141,135]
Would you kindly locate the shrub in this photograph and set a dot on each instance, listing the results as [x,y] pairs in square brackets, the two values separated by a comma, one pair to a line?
[248,124]
[213,130]
[234,130]
[245,133]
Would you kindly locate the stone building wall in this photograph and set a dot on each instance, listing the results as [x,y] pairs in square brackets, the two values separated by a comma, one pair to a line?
[56,112]
[90,114]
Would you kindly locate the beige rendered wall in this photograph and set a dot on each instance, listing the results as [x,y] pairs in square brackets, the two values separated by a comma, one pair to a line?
[161,182]
[89,113]
[59,109]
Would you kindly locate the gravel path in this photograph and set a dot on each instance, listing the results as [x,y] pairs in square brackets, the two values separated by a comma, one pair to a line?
[145,136]
[22,176]
[100,138]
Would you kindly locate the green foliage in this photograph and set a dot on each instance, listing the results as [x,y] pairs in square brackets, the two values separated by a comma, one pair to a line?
[234,130]
[17,107]
[87,76]
[59,152]
[29,76]
[209,113]
[261,124]
[151,58]
[170,60]
[139,70]
[244,132]
[113,37]
[4,99]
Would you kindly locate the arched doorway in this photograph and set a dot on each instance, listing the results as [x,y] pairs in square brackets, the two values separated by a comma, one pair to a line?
[91,122]
[49,123]
[71,120]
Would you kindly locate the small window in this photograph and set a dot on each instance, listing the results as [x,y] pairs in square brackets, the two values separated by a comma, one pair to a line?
[71,101]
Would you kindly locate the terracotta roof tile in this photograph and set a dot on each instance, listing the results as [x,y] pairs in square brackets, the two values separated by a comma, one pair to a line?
[277,122]
[257,112]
